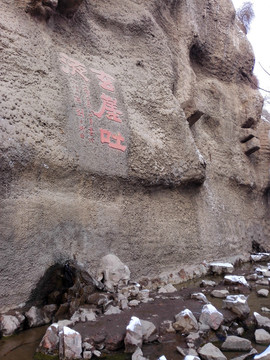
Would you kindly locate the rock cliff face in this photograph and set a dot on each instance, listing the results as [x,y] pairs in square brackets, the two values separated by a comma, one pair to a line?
[130,128]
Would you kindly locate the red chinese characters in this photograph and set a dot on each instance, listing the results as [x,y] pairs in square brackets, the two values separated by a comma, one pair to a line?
[109,105]
[72,67]
[106,136]
[105,80]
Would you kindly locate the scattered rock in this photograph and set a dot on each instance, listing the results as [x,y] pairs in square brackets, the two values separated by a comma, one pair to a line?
[262,337]
[148,329]
[247,356]
[49,344]
[200,296]
[35,317]
[143,295]
[221,268]
[87,354]
[169,288]
[211,316]
[83,315]
[133,303]
[48,312]
[263,292]
[138,355]
[9,324]
[240,331]
[70,344]
[185,322]
[112,310]
[166,327]
[162,357]
[63,323]
[260,257]
[252,277]
[191,357]
[262,321]
[263,282]
[194,340]
[221,294]
[134,335]
[112,272]
[205,283]
[237,304]
[211,352]
[234,279]
[265,309]
[236,343]
[97,353]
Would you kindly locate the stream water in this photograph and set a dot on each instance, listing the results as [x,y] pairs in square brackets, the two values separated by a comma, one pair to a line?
[23,345]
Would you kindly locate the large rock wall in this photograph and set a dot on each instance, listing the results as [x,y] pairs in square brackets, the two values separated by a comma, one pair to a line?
[121,131]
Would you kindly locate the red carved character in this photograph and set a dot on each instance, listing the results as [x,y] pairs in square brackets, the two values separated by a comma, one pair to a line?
[110,106]
[105,137]
[72,66]
[105,80]
[80,112]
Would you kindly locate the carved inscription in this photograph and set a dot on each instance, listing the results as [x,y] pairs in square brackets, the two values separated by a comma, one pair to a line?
[87,116]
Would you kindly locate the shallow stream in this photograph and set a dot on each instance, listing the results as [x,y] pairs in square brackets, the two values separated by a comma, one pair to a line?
[23,345]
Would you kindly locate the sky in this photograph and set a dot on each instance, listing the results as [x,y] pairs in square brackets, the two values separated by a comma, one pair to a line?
[259,35]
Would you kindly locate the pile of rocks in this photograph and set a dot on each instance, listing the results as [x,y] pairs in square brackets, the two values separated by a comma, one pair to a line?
[114,294]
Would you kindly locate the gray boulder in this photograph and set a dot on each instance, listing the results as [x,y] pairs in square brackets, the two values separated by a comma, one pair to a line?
[9,324]
[221,294]
[83,315]
[235,279]
[211,352]
[138,355]
[262,337]
[113,272]
[262,321]
[191,357]
[221,268]
[49,344]
[148,329]
[134,335]
[185,322]
[205,283]
[200,297]
[237,304]
[236,343]
[211,316]
[169,288]
[263,292]
[35,317]
[70,344]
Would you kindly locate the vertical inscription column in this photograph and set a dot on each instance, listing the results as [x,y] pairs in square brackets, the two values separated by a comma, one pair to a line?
[97,119]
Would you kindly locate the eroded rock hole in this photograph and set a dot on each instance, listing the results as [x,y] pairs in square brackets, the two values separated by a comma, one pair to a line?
[249,123]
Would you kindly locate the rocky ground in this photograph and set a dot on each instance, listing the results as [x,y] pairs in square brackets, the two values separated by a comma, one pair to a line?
[224,317]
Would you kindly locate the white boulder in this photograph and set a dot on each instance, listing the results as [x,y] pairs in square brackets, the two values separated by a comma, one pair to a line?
[211,316]
[237,304]
[134,335]
[112,272]
[185,322]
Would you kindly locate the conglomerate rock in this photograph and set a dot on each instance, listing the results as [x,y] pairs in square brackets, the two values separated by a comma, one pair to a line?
[124,131]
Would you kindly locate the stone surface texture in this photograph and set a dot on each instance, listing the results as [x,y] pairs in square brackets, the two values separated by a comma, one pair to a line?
[170,184]
[211,316]
[211,352]
[236,343]
[185,322]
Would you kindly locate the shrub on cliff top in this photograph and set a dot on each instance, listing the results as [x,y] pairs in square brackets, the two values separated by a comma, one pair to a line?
[246,14]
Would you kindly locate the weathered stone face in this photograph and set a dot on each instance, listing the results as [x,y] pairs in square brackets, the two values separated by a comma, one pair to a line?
[121,133]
